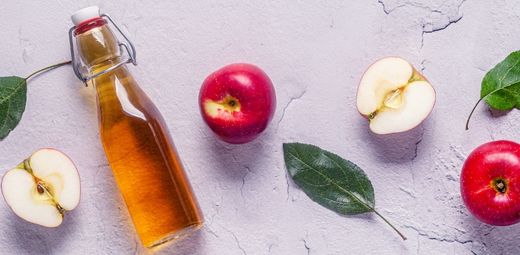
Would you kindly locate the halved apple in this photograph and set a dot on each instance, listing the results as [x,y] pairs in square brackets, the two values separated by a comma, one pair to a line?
[42,188]
[394,96]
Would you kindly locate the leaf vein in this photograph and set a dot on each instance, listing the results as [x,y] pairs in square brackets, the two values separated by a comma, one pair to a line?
[17,88]
[4,122]
[335,184]
[500,80]
[344,173]
[506,73]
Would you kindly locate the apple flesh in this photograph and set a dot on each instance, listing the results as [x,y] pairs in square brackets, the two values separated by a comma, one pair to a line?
[237,102]
[490,183]
[42,188]
[394,96]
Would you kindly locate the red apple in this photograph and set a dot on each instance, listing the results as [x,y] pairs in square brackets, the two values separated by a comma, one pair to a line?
[237,102]
[490,183]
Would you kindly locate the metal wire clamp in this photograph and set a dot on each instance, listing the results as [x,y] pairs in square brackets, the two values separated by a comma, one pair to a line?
[77,64]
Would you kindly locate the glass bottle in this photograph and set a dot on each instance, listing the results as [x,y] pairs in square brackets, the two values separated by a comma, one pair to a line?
[143,158]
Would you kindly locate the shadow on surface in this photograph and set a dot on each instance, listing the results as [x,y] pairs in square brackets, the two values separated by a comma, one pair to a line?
[31,238]
[235,160]
[497,113]
[395,148]
[488,239]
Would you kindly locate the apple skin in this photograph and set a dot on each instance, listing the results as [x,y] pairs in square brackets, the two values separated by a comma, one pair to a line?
[251,89]
[487,166]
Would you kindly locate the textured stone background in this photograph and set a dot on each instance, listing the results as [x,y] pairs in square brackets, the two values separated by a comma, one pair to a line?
[315,53]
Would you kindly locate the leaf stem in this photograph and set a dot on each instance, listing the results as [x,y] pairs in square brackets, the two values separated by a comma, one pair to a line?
[471,113]
[389,224]
[45,69]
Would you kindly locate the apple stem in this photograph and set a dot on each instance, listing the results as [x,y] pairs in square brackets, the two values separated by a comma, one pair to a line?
[471,113]
[48,68]
[25,166]
[60,209]
[389,224]
[372,115]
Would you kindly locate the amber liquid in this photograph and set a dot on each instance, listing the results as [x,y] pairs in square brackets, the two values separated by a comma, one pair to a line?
[142,156]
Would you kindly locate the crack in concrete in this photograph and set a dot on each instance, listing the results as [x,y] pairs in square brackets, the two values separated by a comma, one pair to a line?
[236,239]
[412,172]
[436,238]
[427,27]
[433,29]
[416,149]
[209,230]
[417,146]
[306,246]
[291,100]
[238,242]
[24,43]
[422,63]
[384,7]
[288,186]
[244,180]
[408,192]
[389,11]
[489,232]
[243,184]
[449,20]
[269,248]
[217,210]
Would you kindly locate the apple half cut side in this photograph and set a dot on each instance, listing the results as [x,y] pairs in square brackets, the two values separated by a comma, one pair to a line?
[394,96]
[42,188]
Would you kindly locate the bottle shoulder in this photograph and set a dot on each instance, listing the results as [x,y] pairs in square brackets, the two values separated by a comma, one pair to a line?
[120,94]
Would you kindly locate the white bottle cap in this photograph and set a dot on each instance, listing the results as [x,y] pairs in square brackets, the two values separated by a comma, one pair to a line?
[85,14]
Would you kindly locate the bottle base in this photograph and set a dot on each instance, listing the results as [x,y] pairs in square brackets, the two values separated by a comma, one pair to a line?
[175,235]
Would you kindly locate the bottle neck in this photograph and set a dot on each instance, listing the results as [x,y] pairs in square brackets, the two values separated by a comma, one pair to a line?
[97,45]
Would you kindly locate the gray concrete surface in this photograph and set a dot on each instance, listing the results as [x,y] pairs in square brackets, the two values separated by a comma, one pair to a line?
[315,52]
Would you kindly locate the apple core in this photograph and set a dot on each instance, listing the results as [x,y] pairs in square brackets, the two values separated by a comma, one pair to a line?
[394,99]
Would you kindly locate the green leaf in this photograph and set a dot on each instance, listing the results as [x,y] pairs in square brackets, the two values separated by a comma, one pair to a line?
[501,85]
[13,95]
[328,179]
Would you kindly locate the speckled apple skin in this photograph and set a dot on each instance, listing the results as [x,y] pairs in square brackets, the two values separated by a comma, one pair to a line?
[497,159]
[253,91]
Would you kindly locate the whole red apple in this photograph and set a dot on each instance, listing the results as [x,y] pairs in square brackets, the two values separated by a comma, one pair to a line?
[237,102]
[490,183]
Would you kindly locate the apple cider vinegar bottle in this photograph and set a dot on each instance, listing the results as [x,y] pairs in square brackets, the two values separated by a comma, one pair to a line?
[141,153]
